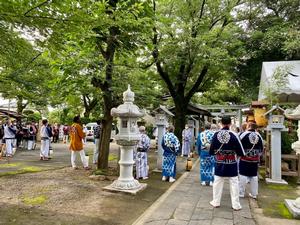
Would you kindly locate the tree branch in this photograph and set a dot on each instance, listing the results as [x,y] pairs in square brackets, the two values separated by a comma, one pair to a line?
[202,9]
[195,87]
[35,7]
[155,54]
[96,82]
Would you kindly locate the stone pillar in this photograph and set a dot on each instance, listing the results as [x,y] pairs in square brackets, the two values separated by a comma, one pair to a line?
[240,118]
[161,130]
[276,156]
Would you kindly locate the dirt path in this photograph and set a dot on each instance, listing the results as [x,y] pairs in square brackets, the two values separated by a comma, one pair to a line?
[66,196]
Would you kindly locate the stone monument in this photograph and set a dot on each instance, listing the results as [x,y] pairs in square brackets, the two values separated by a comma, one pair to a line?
[128,137]
[276,126]
[161,120]
[294,205]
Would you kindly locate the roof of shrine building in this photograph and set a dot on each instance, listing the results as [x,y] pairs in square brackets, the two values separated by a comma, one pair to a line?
[288,69]
[194,109]
[7,113]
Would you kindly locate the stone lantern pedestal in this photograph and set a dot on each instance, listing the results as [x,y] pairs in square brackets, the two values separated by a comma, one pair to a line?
[162,115]
[128,137]
[276,126]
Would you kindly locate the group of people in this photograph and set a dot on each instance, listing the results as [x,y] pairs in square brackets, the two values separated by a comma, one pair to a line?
[226,154]
[223,154]
[16,134]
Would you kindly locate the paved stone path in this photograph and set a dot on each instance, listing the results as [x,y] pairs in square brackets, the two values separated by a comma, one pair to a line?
[187,203]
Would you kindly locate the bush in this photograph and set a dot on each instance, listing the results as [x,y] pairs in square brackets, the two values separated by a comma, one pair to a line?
[287,138]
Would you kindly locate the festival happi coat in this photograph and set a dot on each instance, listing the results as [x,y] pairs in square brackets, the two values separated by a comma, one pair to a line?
[206,160]
[171,147]
[253,146]
[226,146]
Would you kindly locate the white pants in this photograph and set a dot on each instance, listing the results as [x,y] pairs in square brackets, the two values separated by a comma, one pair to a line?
[96,150]
[9,146]
[253,185]
[234,191]
[45,145]
[65,138]
[82,156]
[30,145]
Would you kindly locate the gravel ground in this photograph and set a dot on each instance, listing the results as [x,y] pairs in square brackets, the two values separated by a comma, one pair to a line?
[60,195]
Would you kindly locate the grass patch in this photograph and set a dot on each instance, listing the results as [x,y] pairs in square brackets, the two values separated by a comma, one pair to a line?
[27,169]
[31,169]
[100,172]
[271,199]
[279,187]
[284,212]
[112,157]
[34,200]
[9,165]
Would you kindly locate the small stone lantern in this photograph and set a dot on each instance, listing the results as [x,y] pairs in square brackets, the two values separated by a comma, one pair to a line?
[128,137]
[275,125]
[162,115]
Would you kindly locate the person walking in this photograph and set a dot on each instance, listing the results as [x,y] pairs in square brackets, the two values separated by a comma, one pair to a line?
[66,133]
[207,161]
[141,158]
[226,146]
[32,136]
[9,137]
[97,135]
[186,141]
[248,166]
[45,140]
[171,148]
[76,143]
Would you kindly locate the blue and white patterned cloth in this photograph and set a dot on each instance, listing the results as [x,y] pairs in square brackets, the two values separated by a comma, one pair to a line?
[186,141]
[207,161]
[171,147]
[141,157]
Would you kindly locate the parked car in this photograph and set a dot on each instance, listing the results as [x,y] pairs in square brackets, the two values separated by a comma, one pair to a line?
[90,131]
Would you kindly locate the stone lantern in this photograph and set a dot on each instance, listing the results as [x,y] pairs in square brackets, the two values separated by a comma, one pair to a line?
[162,115]
[275,125]
[128,137]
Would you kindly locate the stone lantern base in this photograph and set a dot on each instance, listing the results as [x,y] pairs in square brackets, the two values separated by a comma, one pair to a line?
[271,181]
[294,210]
[117,186]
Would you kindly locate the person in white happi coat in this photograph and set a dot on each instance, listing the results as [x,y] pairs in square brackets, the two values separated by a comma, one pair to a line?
[186,141]
[248,166]
[141,157]
[226,146]
[45,140]
[9,137]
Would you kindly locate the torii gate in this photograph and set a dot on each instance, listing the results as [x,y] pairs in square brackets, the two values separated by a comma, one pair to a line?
[221,111]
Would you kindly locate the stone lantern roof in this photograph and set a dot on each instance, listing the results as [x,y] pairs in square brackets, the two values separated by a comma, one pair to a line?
[127,109]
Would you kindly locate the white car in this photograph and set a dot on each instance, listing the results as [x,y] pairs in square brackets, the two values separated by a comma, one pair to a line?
[90,131]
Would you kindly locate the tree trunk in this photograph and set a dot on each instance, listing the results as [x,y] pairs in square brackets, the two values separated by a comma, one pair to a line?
[20,106]
[105,141]
[180,118]
[87,113]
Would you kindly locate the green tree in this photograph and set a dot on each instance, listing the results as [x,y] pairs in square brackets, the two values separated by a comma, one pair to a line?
[193,42]
[272,35]
[98,39]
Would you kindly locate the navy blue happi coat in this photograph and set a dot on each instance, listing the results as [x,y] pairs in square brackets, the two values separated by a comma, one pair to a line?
[253,146]
[226,146]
